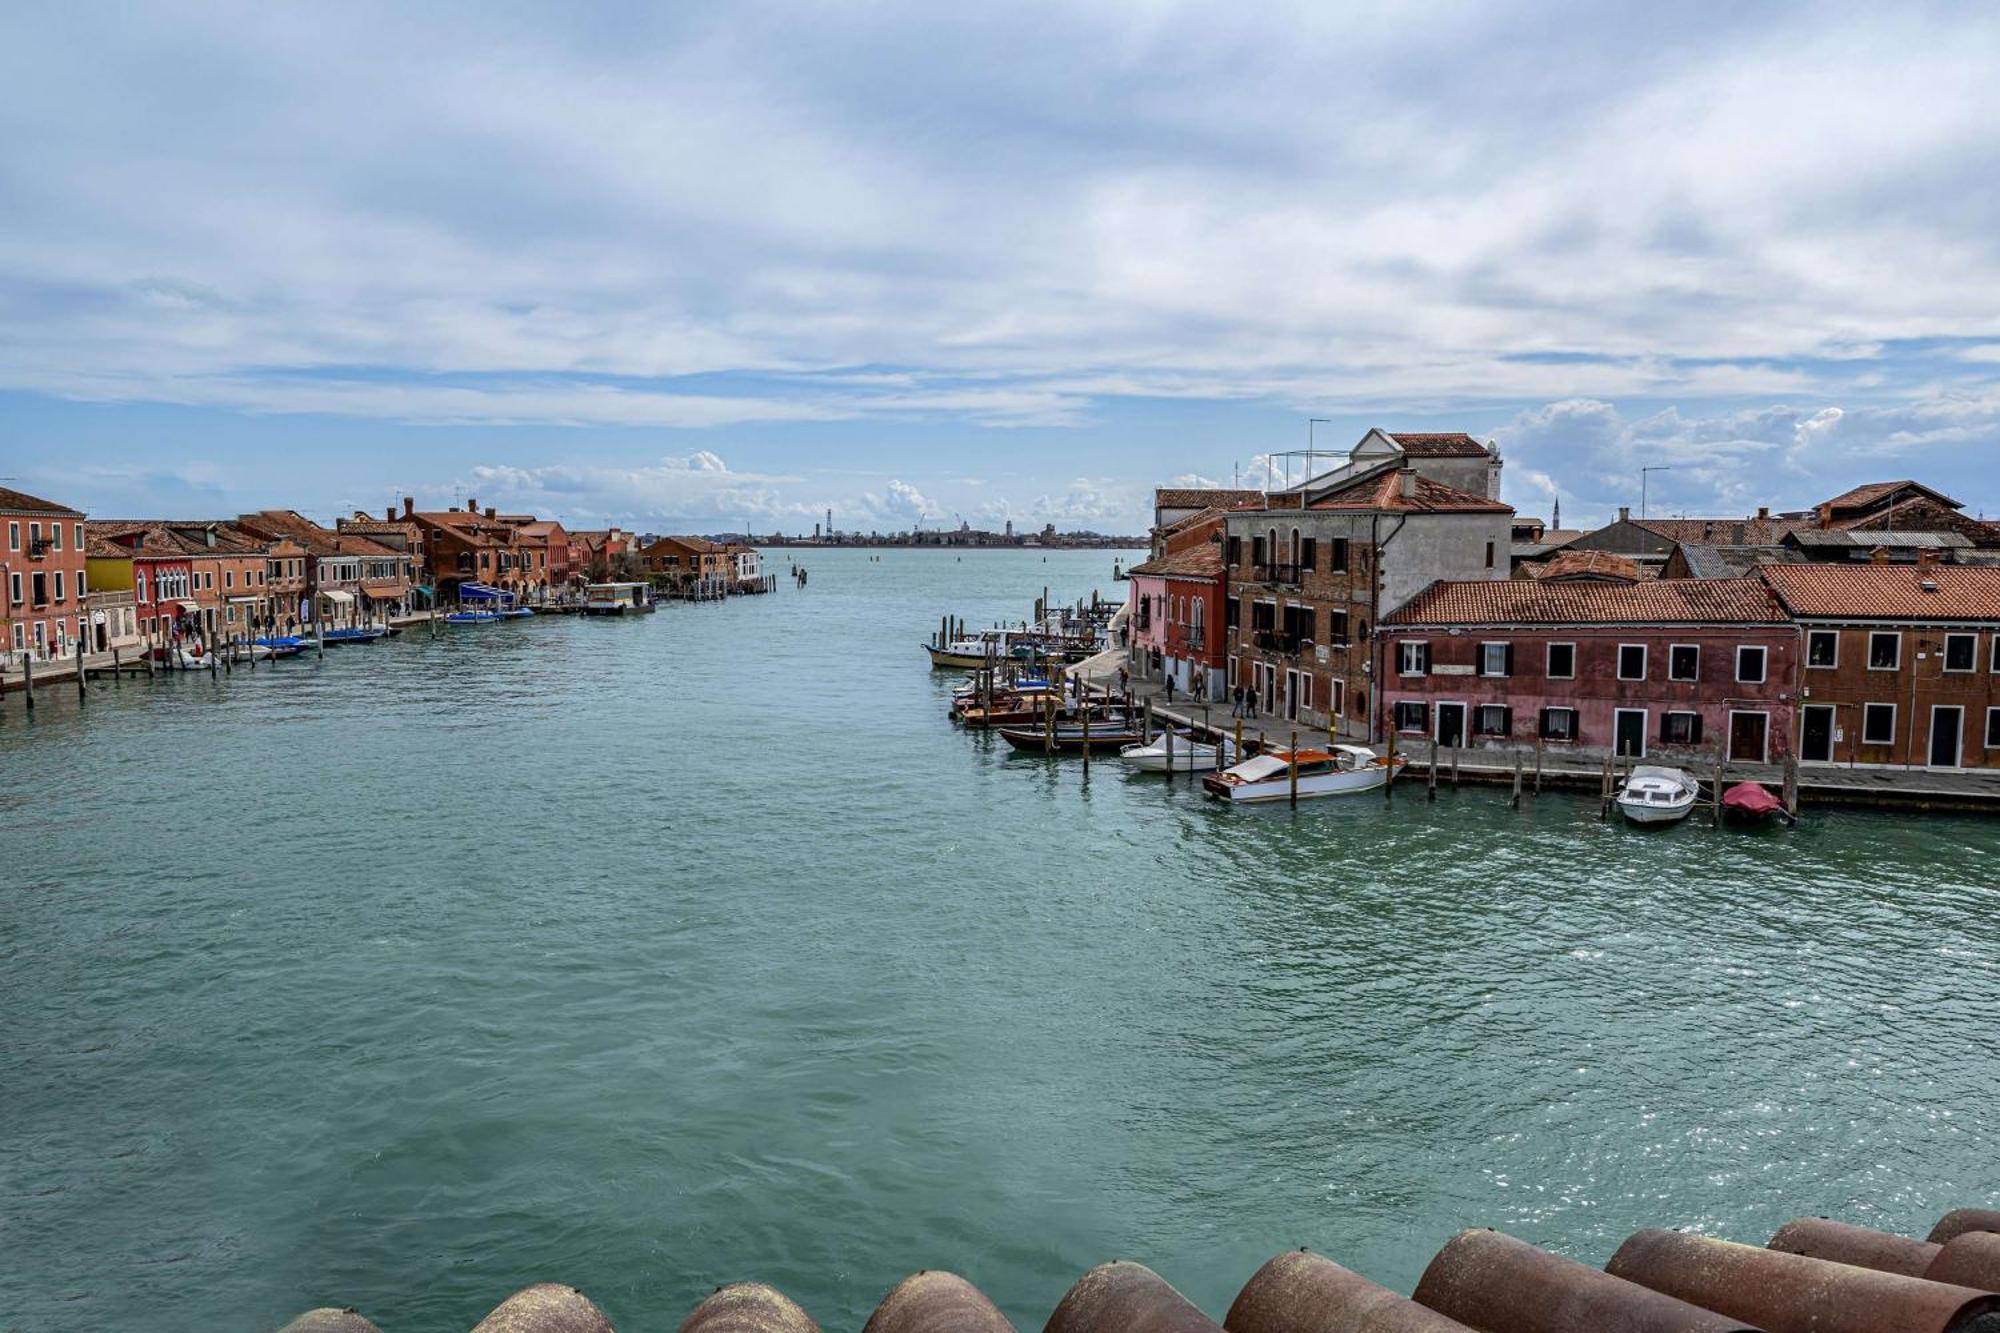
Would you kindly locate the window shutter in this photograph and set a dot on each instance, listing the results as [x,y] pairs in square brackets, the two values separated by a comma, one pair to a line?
[1694,730]
[1507,661]
[1424,657]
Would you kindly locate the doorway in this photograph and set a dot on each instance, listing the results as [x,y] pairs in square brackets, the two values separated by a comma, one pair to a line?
[1451,724]
[1748,737]
[1946,722]
[1630,733]
[1816,734]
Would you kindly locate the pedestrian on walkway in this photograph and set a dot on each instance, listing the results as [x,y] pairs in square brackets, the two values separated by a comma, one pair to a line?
[1170,687]
[1125,681]
[1250,703]
[1236,702]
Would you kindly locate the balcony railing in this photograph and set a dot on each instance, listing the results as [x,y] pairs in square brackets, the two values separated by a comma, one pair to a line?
[1276,641]
[39,547]
[1277,573]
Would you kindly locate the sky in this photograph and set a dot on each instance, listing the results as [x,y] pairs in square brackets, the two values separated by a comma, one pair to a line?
[704,267]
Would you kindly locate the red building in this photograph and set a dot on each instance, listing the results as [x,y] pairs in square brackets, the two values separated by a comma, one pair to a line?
[1177,625]
[1665,669]
[43,568]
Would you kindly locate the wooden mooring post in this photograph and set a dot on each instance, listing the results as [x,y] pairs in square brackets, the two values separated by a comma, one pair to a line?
[1715,808]
[1518,762]
[1604,791]
[1791,786]
[1085,708]
[1454,767]
[1389,783]
[1431,777]
[1538,765]
[82,690]
[1170,751]
[28,680]
[1292,765]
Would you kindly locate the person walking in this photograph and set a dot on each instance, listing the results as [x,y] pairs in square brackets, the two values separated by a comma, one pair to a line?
[1236,702]
[1170,687]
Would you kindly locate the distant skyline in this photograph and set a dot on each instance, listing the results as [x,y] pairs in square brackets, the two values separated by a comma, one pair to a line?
[704,267]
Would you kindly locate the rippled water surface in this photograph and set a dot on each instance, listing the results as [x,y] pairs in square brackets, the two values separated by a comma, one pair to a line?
[650,954]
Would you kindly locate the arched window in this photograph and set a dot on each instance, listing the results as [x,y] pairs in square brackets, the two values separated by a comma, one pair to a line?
[1297,550]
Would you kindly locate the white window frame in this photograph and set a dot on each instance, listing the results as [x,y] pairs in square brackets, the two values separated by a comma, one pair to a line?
[1683,680]
[1503,645]
[1944,660]
[1574,728]
[1645,730]
[1729,740]
[1929,736]
[14,592]
[1403,648]
[1338,687]
[1694,713]
[60,594]
[1505,709]
[1464,720]
[1992,714]
[1645,670]
[1396,721]
[1895,634]
[1833,634]
[14,535]
[1763,674]
[1832,732]
[1862,739]
[1549,672]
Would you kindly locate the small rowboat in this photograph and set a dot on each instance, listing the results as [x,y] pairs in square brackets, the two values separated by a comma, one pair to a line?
[1752,803]
[1111,734]
[1187,755]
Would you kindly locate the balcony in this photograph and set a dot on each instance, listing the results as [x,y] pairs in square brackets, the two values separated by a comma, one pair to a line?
[1275,641]
[39,547]
[1276,573]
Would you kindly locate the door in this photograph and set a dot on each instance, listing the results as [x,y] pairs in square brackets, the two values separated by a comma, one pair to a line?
[1292,696]
[1945,723]
[1816,734]
[1451,724]
[1631,733]
[1746,737]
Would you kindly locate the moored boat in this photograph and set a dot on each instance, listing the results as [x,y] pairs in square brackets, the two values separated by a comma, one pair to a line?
[1186,754]
[356,634]
[1752,803]
[471,617]
[1656,795]
[1107,734]
[1341,770]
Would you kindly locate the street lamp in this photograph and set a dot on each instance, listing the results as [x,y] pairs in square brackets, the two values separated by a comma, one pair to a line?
[1642,484]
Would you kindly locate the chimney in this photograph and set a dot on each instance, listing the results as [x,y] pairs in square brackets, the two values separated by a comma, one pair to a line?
[1624,513]
[1407,477]
[409,505]
[1763,511]
[472,506]
[489,511]
[390,512]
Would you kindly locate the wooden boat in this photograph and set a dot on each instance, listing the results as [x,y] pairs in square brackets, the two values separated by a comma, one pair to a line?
[1032,713]
[1656,795]
[1341,770]
[1110,734]
[471,617]
[1752,803]
[1188,755]
[356,634]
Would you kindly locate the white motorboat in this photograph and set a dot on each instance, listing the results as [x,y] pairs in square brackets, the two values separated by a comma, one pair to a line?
[1188,755]
[1340,770]
[1656,795]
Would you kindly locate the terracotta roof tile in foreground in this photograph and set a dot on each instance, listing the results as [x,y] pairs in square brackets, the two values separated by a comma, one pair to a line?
[1889,592]
[1199,498]
[1589,565]
[1384,490]
[1202,561]
[20,502]
[1537,602]
[1438,444]
[1813,1276]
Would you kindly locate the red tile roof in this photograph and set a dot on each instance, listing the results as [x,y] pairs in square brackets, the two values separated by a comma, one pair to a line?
[20,502]
[1589,565]
[1384,490]
[1862,497]
[1812,1274]
[1537,602]
[1169,498]
[1445,444]
[1888,592]
[1196,562]
[1724,531]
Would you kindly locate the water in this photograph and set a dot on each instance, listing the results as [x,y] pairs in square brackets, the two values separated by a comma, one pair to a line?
[651,954]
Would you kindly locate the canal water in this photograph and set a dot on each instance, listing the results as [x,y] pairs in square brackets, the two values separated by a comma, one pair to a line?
[645,955]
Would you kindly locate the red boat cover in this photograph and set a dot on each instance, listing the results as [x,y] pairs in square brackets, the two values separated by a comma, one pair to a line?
[1751,799]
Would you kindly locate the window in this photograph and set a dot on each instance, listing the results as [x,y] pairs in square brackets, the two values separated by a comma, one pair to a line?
[1492,720]
[1309,553]
[1878,724]
[1750,664]
[1562,661]
[139,581]
[1235,548]
[79,538]
[1631,661]
[1413,657]
[14,536]
[55,541]
[1336,555]
[14,589]
[1339,703]
[1558,724]
[1336,628]
[228,578]
[1680,728]
[1496,659]
[1885,650]
[1683,662]
[1993,728]
[1822,648]
[1232,673]
[1961,652]
[1489,555]
[1413,715]
[1232,612]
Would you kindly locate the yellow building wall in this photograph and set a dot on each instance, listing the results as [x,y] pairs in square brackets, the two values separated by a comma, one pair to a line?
[109,573]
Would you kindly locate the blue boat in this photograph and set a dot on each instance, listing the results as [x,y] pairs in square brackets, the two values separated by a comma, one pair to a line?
[356,634]
[283,645]
[471,617]
[516,612]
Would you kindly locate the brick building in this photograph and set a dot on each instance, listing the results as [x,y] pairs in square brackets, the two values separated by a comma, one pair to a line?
[1311,574]
[1899,664]
[468,545]
[44,568]
[1177,599]
[1666,669]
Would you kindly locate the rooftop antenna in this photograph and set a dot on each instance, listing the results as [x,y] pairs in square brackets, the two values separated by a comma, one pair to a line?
[1664,467]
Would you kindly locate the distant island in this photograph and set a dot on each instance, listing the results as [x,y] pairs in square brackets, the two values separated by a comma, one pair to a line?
[963,536]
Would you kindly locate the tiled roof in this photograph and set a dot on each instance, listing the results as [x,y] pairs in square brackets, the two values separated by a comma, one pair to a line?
[1169,498]
[1813,1276]
[1874,492]
[1848,539]
[1196,562]
[1537,602]
[174,537]
[1384,490]
[1889,592]
[1709,561]
[1723,531]
[1590,565]
[12,501]
[318,541]
[1447,444]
